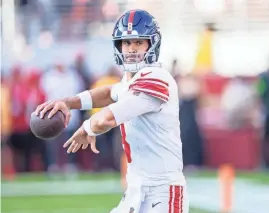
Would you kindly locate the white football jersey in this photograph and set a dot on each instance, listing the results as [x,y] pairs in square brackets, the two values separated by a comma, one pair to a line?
[152,141]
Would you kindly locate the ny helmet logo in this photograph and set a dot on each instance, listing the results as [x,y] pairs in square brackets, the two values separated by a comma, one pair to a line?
[130,27]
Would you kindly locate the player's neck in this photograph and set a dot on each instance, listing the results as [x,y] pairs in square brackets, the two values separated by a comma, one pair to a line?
[129,75]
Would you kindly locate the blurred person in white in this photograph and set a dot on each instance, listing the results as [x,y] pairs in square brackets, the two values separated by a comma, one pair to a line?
[145,106]
[239,102]
[60,82]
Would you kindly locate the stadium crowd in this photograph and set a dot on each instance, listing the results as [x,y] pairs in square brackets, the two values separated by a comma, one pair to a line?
[207,101]
[217,114]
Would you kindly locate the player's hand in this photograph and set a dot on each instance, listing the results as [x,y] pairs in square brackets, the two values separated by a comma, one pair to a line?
[54,106]
[81,139]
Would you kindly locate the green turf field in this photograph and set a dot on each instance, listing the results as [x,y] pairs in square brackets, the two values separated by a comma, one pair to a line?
[261,177]
[94,203]
[29,177]
[87,203]
[258,176]
[65,204]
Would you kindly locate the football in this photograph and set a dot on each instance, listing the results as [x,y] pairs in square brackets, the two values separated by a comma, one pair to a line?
[46,128]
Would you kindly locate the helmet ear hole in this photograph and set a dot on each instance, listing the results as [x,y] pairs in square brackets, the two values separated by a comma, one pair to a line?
[118,44]
[149,44]
[158,50]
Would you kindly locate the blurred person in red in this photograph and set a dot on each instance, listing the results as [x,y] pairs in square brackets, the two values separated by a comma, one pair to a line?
[57,83]
[36,96]
[20,137]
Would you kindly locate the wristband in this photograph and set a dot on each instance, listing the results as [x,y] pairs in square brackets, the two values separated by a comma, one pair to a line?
[87,128]
[85,99]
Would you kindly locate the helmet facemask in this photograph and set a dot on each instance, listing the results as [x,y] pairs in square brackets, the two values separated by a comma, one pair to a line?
[133,62]
[137,24]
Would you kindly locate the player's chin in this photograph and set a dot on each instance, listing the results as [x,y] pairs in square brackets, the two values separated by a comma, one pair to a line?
[132,61]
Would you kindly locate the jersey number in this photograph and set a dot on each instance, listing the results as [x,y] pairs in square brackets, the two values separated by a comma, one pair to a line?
[125,144]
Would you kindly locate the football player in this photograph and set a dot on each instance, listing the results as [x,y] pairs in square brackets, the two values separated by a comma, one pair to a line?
[145,105]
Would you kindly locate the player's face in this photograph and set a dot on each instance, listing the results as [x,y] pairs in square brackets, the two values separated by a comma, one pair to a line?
[133,50]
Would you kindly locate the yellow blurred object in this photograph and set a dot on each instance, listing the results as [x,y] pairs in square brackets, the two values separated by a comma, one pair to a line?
[7,169]
[203,62]
[226,177]
[5,113]
[104,81]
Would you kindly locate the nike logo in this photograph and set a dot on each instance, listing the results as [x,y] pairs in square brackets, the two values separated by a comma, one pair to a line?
[144,74]
[155,204]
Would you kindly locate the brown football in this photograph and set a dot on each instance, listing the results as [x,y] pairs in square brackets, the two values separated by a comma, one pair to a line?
[46,128]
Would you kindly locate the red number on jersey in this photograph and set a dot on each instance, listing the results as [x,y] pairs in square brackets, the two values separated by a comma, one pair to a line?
[125,144]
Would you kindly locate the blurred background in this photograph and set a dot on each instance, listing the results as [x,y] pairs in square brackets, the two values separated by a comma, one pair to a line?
[218,52]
